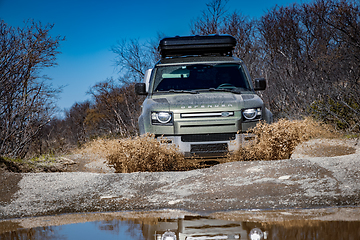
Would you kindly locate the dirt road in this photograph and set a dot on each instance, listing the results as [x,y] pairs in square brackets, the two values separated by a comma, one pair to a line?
[303,182]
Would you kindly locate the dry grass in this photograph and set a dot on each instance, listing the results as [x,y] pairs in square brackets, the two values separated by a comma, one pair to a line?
[278,140]
[147,154]
[141,154]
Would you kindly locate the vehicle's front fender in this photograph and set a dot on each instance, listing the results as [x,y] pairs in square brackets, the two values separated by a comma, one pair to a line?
[268,116]
[141,125]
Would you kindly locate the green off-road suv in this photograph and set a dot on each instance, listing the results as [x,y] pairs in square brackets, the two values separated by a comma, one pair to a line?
[200,97]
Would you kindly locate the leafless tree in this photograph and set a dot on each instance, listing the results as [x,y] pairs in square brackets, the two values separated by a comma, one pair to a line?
[211,20]
[26,99]
[76,123]
[308,52]
[115,100]
[133,59]
[116,108]
[312,60]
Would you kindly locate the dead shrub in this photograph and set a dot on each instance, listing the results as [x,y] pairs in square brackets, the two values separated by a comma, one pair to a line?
[146,154]
[141,154]
[278,140]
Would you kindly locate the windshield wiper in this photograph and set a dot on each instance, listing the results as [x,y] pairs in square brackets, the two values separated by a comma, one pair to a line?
[183,91]
[233,90]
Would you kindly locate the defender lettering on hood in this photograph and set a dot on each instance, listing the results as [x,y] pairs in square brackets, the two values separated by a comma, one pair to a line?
[208,106]
[200,97]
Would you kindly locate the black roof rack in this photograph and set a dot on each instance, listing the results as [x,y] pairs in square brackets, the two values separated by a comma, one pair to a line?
[197,45]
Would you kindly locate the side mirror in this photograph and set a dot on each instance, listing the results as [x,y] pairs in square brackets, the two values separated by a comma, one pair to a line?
[140,89]
[260,84]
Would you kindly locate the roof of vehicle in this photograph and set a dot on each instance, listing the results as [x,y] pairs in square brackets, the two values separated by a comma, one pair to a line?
[197,59]
[221,45]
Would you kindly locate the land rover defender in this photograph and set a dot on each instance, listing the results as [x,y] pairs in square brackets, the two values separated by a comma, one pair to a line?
[200,97]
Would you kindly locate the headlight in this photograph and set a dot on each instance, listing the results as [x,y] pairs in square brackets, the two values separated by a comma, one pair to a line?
[256,234]
[168,236]
[251,114]
[161,118]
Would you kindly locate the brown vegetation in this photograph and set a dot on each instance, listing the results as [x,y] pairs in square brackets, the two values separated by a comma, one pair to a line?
[146,154]
[273,142]
[140,154]
[278,140]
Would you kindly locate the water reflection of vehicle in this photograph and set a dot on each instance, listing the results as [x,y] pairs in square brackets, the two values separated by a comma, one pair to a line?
[104,226]
[202,228]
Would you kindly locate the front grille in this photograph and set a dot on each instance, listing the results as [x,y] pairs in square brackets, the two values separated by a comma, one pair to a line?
[207,114]
[208,137]
[208,125]
[209,148]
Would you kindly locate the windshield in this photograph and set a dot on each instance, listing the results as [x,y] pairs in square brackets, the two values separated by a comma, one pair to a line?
[201,77]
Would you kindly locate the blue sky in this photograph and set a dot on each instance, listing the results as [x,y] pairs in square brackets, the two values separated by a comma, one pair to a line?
[92,27]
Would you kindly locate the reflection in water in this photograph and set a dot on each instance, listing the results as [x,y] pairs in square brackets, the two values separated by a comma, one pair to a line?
[115,229]
[186,228]
[34,233]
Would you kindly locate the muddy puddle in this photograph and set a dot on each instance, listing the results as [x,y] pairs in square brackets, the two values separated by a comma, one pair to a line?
[170,225]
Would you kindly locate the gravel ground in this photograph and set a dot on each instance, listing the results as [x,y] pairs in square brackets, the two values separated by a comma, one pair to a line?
[302,182]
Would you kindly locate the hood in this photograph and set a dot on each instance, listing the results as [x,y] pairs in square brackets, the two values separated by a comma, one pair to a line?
[202,98]
[208,99]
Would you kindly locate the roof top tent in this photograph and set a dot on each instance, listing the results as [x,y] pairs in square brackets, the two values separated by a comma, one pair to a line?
[197,45]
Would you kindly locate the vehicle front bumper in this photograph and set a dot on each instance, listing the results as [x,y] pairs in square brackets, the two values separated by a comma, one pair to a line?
[201,147]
